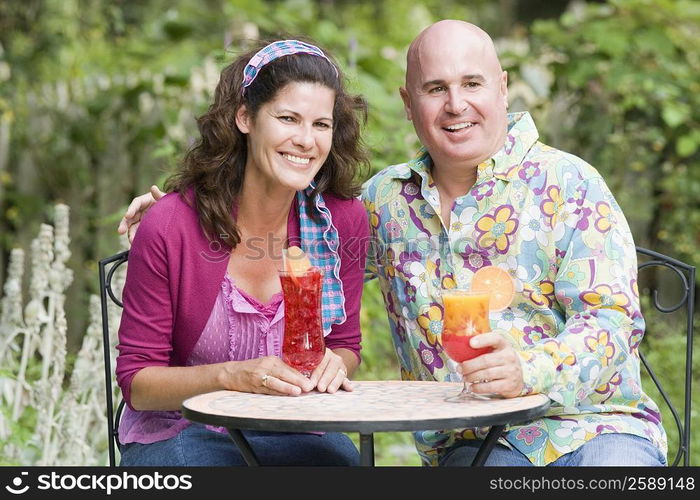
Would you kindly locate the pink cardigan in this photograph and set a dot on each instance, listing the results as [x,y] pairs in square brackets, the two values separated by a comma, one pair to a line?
[174,274]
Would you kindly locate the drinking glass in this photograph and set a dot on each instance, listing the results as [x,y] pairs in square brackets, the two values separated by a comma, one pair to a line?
[303,346]
[466,313]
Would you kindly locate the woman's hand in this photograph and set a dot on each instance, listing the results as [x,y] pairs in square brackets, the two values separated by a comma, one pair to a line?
[331,374]
[268,375]
[137,208]
[166,387]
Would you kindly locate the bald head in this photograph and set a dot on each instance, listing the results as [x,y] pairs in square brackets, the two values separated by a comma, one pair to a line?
[456,95]
[443,36]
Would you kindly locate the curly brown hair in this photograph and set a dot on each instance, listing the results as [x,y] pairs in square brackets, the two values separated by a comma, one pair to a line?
[214,167]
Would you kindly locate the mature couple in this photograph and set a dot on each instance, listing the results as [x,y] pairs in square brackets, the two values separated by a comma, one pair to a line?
[277,159]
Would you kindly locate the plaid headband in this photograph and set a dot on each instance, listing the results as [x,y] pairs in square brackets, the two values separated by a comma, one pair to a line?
[276,50]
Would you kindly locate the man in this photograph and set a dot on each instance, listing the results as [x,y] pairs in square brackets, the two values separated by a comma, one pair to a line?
[483,191]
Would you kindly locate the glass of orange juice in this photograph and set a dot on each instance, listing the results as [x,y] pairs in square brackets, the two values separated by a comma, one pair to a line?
[466,313]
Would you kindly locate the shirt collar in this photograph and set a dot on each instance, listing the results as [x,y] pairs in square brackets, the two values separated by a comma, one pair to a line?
[505,164]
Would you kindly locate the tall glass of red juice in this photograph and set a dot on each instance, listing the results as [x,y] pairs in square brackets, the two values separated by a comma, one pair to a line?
[304,346]
[466,313]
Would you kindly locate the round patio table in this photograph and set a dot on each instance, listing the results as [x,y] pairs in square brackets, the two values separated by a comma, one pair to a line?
[374,406]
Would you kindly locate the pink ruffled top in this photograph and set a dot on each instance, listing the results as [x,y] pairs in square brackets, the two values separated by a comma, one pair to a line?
[240,327]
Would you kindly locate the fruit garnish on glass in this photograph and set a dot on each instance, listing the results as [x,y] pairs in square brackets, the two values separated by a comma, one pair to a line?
[295,260]
[498,283]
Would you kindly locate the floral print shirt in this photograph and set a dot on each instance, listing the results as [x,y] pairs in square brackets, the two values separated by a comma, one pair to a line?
[548,218]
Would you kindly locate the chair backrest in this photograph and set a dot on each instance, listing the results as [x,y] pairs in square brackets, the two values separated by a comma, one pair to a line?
[686,275]
[108,267]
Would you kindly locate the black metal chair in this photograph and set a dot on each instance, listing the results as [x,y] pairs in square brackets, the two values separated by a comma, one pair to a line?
[108,267]
[686,275]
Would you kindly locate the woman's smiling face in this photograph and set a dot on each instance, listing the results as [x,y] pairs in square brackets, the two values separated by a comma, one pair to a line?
[290,137]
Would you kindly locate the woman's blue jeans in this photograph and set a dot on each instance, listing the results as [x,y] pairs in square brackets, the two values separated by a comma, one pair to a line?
[198,446]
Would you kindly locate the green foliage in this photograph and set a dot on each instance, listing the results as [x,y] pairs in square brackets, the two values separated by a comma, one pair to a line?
[100,102]
[666,355]
[379,361]
[629,71]
[21,434]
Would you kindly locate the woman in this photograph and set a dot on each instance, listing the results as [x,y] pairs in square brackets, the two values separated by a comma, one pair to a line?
[276,165]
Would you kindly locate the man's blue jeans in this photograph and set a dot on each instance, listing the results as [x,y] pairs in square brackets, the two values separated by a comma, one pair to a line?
[604,449]
[198,446]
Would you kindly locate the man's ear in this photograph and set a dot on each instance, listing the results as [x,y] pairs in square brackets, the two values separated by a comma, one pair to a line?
[504,88]
[406,102]
[243,119]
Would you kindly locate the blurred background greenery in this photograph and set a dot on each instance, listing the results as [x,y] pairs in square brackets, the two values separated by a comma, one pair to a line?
[98,100]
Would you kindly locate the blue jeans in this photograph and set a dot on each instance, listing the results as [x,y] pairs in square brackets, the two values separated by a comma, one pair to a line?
[198,446]
[604,449]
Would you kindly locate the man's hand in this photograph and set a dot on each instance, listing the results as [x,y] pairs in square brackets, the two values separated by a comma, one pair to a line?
[496,372]
[137,208]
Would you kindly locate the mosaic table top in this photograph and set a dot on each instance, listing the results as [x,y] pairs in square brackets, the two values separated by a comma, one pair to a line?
[372,406]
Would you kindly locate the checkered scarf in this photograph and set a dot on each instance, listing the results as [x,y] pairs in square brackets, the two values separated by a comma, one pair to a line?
[320,242]
[276,50]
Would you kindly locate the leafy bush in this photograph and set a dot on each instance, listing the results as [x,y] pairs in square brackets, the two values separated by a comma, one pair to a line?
[98,99]
[620,89]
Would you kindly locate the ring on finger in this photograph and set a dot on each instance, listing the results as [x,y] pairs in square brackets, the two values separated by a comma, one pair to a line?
[264,379]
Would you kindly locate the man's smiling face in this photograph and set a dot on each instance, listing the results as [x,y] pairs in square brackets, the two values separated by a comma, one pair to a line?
[456,94]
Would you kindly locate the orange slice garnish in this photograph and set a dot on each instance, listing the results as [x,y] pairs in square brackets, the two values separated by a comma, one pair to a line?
[295,261]
[498,283]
